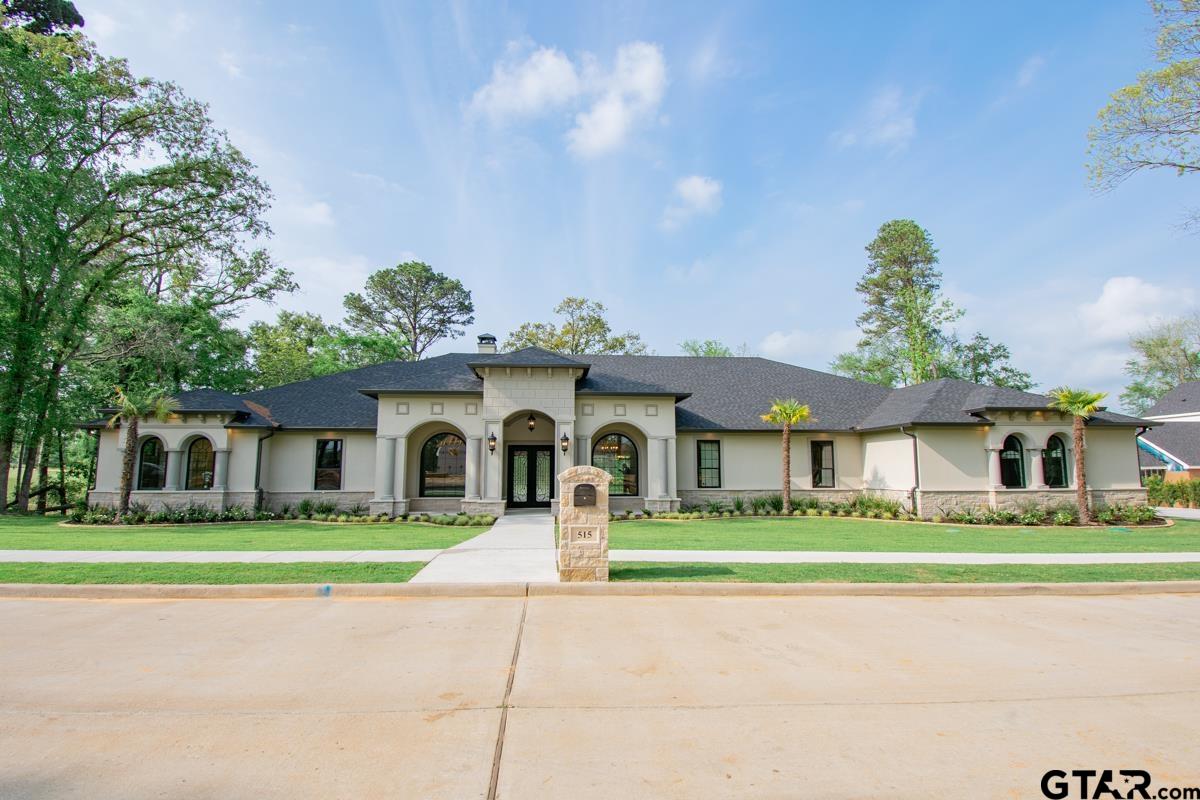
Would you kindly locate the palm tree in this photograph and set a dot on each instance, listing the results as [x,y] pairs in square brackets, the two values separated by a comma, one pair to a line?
[129,409]
[787,413]
[1081,405]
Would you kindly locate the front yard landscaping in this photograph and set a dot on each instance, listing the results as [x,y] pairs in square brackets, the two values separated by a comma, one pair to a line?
[900,573]
[219,573]
[856,535]
[46,533]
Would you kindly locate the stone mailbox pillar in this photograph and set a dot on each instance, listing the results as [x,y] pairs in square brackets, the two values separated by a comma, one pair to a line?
[583,524]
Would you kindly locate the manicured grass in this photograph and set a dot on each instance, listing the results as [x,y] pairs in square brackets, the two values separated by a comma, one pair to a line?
[45,533]
[859,535]
[900,573]
[220,573]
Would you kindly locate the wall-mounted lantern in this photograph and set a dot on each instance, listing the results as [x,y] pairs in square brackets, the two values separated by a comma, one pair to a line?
[492,443]
[532,422]
[564,442]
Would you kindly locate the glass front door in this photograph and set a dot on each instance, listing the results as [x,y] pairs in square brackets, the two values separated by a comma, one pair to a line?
[530,476]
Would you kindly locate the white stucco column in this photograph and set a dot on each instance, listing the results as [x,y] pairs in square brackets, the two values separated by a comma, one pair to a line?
[174,470]
[583,451]
[474,449]
[1037,475]
[563,460]
[220,469]
[657,467]
[672,469]
[994,468]
[385,468]
[400,468]
[493,487]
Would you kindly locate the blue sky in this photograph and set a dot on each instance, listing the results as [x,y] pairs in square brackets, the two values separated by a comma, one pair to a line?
[705,170]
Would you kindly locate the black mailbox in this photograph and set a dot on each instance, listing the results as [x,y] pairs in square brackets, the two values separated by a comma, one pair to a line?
[585,495]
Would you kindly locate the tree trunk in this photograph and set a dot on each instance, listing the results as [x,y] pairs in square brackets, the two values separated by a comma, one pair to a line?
[1081,498]
[26,483]
[43,477]
[62,471]
[787,468]
[131,440]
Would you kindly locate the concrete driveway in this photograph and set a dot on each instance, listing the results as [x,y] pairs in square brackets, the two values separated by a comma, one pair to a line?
[677,697]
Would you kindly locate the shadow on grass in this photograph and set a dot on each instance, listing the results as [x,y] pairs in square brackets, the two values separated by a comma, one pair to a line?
[668,572]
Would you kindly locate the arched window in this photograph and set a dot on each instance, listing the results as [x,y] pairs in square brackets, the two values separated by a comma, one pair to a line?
[444,466]
[616,454]
[1054,463]
[200,465]
[152,464]
[1012,464]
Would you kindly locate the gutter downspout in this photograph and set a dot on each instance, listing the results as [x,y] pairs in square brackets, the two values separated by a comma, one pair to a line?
[258,492]
[1137,452]
[915,491]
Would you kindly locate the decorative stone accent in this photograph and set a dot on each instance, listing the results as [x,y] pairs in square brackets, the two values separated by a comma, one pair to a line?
[583,524]
[493,507]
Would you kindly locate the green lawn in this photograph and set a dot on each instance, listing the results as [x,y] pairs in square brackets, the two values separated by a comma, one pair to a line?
[900,573]
[220,573]
[858,535]
[45,533]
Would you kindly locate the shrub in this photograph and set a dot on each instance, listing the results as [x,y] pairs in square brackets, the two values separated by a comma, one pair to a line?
[811,512]
[775,502]
[714,506]
[739,505]
[1031,516]
[759,504]
[1065,516]
[1108,514]
[462,521]
[825,512]
[307,507]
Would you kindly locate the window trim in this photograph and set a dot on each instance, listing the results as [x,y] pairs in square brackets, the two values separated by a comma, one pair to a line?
[187,465]
[341,468]
[140,487]
[700,465]
[637,460]
[1066,476]
[421,465]
[813,446]
[1020,461]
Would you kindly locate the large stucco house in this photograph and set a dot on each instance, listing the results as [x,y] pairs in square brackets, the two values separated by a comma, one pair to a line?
[1172,447]
[488,431]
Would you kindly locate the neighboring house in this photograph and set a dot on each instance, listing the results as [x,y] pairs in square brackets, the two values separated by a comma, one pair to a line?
[483,432]
[1172,447]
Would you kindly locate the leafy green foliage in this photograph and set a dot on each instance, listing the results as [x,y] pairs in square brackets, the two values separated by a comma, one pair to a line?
[1153,123]
[709,347]
[42,16]
[411,301]
[584,329]
[300,346]
[1166,354]
[906,337]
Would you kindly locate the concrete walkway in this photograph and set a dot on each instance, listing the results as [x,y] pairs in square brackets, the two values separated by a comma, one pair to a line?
[519,548]
[834,557]
[1179,513]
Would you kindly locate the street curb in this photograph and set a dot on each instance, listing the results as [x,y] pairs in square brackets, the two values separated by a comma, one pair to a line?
[268,591]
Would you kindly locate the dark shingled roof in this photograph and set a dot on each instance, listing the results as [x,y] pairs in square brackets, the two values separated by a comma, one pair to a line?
[1183,399]
[1179,439]
[949,401]
[710,393]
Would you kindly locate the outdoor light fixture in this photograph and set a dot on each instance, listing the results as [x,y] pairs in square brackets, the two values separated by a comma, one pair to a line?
[565,442]
[492,443]
[532,422]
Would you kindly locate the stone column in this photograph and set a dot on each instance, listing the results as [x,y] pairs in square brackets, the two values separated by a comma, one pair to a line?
[174,470]
[672,469]
[474,449]
[994,480]
[220,469]
[400,470]
[583,451]
[385,469]
[493,485]
[1037,474]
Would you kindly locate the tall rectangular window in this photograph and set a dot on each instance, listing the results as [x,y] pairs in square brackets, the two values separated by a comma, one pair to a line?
[822,465]
[708,465]
[329,464]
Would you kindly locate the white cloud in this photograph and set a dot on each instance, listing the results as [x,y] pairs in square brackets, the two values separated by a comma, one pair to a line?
[1029,71]
[229,63]
[889,120]
[317,212]
[1128,304]
[695,194]
[808,347]
[628,95]
[709,62]
[544,80]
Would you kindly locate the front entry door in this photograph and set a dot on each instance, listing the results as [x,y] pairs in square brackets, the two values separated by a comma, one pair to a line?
[530,476]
